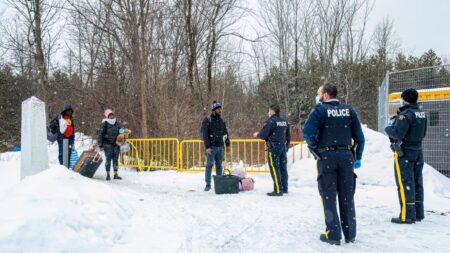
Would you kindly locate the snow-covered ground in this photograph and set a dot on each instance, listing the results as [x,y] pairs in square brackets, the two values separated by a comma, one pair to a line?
[165,211]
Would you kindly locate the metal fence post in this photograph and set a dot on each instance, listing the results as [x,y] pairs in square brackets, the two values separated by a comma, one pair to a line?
[66,152]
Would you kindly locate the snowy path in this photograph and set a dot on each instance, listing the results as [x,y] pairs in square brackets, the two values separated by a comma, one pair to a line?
[157,212]
[209,223]
[166,211]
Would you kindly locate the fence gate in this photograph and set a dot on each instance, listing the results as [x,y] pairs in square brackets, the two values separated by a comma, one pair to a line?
[433,85]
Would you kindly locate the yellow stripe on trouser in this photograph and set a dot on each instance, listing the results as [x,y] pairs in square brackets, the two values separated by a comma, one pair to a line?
[321,199]
[274,173]
[400,185]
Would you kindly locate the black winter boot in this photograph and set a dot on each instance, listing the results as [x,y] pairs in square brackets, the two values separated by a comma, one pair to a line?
[324,238]
[274,194]
[108,177]
[399,221]
[207,187]
[350,240]
[116,176]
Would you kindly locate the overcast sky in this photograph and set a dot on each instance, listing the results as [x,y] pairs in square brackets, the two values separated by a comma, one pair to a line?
[419,24]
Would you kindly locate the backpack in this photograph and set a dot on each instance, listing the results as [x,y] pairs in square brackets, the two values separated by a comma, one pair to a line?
[52,130]
[201,130]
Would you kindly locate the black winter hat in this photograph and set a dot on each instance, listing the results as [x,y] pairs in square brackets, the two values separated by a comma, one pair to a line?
[215,105]
[410,95]
[66,108]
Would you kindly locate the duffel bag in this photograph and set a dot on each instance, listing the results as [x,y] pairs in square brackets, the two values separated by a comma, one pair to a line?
[226,183]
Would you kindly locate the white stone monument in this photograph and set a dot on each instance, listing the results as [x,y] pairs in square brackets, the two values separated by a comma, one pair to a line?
[34,158]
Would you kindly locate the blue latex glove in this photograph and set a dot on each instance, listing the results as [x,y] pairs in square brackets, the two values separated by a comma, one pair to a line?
[389,123]
[357,164]
[121,131]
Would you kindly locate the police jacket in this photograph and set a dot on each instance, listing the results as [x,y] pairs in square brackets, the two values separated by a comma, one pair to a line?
[332,124]
[214,132]
[409,127]
[276,131]
[108,133]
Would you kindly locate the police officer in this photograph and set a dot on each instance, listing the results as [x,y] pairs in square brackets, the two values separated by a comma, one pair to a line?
[406,133]
[214,135]
[276,133]
[329,132]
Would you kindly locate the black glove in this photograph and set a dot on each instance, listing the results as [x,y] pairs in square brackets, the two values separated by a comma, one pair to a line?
[397,147]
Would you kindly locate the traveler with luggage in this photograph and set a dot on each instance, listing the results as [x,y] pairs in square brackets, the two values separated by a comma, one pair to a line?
[214,135]
[107,136]
[64,128]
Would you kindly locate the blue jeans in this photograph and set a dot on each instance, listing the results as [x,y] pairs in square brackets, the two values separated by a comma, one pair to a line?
[217,157]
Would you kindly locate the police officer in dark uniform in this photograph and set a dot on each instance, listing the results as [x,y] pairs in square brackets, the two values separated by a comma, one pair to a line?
[329,132]
[406,133]
[276,133]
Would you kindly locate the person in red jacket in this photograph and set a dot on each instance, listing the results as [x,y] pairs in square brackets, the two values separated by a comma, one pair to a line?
[65,129]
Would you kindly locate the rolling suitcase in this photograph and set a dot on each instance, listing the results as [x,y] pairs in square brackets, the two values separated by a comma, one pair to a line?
[88,163]
[226,184]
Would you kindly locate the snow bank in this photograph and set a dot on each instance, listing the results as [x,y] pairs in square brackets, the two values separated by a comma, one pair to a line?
[57,209]
[377,167]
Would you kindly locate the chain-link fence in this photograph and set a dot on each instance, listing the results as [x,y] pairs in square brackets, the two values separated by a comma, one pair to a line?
[433,84]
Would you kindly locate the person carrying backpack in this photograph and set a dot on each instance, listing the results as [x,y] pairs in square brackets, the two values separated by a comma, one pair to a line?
[108,132]
[214,135]
[64,127]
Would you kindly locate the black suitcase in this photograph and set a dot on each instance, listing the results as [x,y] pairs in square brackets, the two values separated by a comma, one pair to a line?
[88,163]
[226,184]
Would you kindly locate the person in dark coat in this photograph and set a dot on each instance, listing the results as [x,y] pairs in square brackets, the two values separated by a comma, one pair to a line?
[63,125]
[406,132]
[108,132]
[277,134]
[330,131]
[215,136]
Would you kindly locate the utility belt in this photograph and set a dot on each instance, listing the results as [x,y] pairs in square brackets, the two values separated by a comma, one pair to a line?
[397,147]
[271,144]
[334,148]
[400,148]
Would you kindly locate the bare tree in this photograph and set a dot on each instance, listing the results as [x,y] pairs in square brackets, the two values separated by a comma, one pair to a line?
[353,47]
[384,37]
[128,24]
[37,18]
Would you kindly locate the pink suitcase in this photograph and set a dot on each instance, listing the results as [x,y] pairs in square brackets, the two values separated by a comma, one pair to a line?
[247,184]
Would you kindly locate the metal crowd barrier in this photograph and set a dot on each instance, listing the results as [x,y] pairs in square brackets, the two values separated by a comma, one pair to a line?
[190,155]
[151,153]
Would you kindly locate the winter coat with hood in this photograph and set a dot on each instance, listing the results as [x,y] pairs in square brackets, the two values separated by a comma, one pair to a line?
[108,132]
[55,127]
